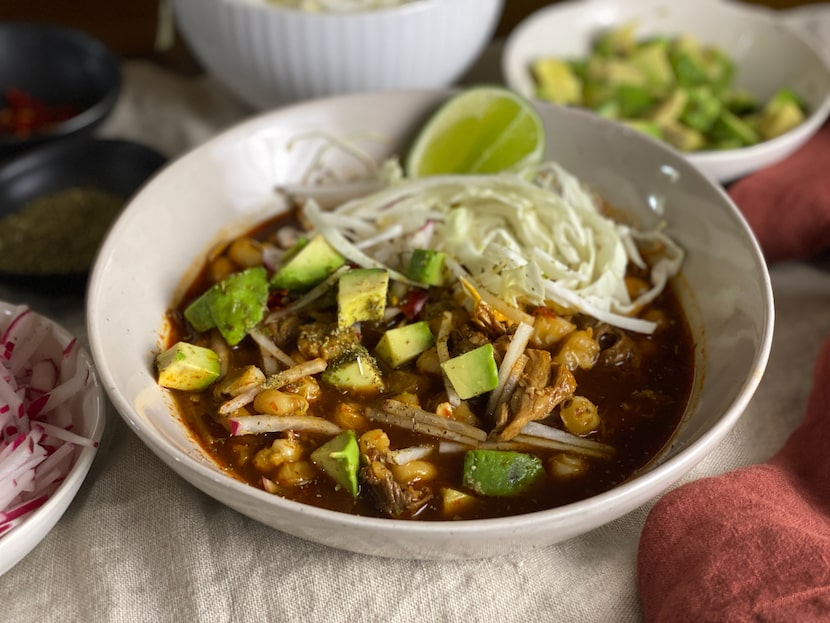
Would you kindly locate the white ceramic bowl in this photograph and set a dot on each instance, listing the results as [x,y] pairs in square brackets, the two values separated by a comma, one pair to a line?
[226,185]
[767,54]
[89,412]
[269,55]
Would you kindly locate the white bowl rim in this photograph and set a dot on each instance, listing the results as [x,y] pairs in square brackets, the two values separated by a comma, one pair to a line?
[409,8]
[639,489]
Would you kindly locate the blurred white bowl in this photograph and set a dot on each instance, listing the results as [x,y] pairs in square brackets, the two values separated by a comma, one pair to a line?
[89,413]
[767,53]
[224,187]
[269,55]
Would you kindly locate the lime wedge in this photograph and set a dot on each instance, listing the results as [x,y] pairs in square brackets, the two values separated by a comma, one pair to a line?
[479,130]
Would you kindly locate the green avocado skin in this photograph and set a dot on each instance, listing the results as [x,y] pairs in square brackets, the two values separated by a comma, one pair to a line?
[501,473]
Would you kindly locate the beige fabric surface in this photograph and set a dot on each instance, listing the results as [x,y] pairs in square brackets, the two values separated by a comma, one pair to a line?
[141,544]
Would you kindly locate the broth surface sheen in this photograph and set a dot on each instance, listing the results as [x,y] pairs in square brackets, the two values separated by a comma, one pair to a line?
[639,383]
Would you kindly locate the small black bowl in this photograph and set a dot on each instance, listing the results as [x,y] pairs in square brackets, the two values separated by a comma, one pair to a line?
[61,68]
[112,166]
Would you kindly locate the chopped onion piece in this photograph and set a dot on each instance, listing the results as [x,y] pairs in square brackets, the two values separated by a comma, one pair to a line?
[407,414]
[516,349]
[419,426]
[267,344]
[403,456]
[255,424]
[535,429]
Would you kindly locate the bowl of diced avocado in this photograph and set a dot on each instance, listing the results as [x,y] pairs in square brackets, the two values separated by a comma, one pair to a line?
[727,84]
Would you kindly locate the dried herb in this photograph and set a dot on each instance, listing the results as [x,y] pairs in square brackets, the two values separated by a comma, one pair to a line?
[57,233]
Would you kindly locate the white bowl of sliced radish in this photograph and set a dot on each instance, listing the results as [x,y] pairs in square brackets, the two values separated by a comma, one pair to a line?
[52,415]
[237,182]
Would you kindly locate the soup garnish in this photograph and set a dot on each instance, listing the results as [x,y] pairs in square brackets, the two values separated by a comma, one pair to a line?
[452,347]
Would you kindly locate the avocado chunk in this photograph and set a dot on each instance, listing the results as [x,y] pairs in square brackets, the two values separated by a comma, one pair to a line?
[473,373]
[455,501]
[557,82]
[355,371]
[361,296]
[731,127]
[340,458]
[403,344]
[616,41]
[689,64]
[634,100]
[671,108]
[426,266]
[682,137]
[309,263]
[645,126]
[615,71]
[187,367]
[501,473]
[702,109]
[781,114]
[235,305]
[652,58]
[741,102]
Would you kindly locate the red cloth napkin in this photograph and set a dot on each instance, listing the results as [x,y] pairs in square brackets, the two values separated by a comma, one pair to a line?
[787,204]
[754,544]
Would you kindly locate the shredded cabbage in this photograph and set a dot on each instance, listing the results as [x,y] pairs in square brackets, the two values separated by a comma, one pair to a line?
[526,242]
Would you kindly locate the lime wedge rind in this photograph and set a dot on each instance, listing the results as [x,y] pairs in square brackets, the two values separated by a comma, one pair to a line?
[520,144]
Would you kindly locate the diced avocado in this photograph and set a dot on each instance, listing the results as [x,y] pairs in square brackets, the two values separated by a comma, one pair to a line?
[615,71]
[454,502]
[307,265]
[610,109]
[719,68]
[782,120]
[426,266]
[682,137]
[634,100]
[652,58]
[688,62]
[361,296]
[702,109]
[645,126]
[671,108]
[731,127]
[354,371]
[500,472]
[187,367]
[340,458]
[616,41]
[557,82]
[741,102]
[473,373]
[782,113]
[234,305]
[596,93]
[403,344]
[784,97]
[198,314]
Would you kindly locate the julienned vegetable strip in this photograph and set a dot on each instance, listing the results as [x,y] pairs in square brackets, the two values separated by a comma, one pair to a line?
[37,445]
[521,243]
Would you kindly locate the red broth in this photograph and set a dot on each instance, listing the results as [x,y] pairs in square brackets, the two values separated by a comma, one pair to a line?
[639,383]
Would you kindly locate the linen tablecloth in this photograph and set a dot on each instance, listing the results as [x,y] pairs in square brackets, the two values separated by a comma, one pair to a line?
[141,544]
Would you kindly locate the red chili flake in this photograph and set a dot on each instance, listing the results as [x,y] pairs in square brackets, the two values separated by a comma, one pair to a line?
[24,114]
[414,302]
